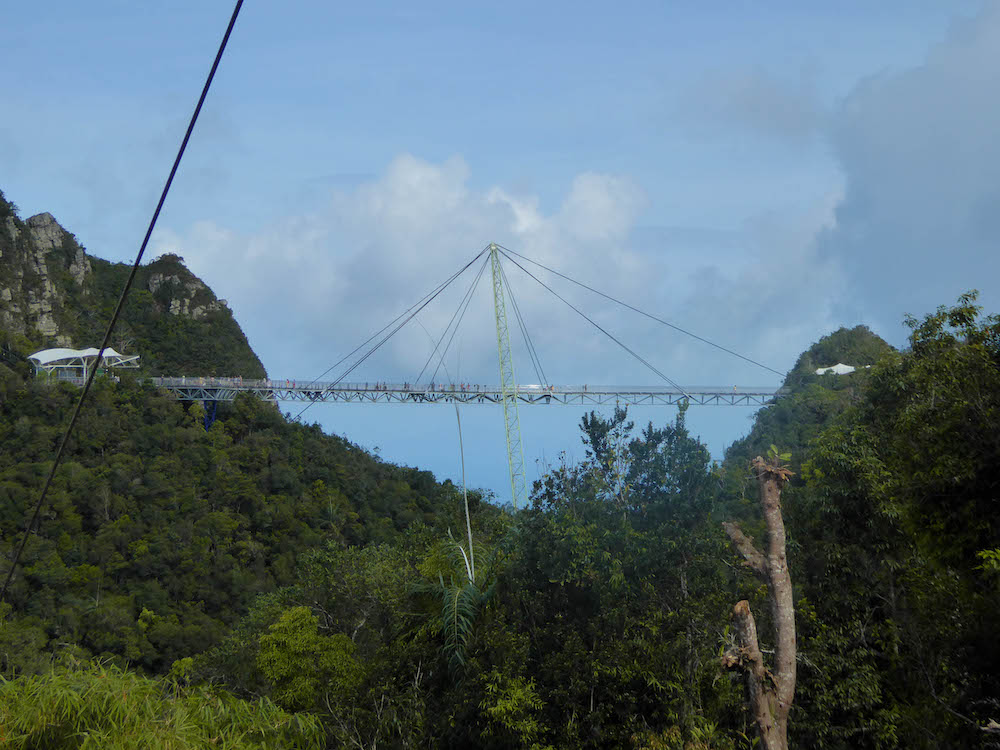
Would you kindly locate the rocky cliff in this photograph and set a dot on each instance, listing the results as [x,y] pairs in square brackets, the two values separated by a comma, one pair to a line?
[53,294]
[33,256]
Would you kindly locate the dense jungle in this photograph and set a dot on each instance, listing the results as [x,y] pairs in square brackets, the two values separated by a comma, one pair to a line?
[251,582]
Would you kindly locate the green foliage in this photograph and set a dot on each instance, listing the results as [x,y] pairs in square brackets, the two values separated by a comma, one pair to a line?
[460,603]
[285,565]
[303,665]
[899,504]
[463,593]
[158,321]
[991,561]
[158,535]
[856,346]
[813,403]
[511,707]
[597,633]
[774,456]
[99,706]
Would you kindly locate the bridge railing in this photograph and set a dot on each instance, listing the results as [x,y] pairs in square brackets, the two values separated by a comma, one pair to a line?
[435,387]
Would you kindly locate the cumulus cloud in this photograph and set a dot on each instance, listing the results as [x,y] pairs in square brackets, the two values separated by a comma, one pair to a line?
[320,283]
[920,219]
[311,287]
[762,289]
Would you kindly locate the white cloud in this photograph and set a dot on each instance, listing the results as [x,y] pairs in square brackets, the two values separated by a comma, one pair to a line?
[312,287]
[920,218]
[322,282]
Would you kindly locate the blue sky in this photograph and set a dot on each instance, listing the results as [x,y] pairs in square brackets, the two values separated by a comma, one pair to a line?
[758,173]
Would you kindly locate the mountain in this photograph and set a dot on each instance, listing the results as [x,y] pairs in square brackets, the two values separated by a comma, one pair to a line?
[813,401]
[52,293]
[259,555]
[155,509]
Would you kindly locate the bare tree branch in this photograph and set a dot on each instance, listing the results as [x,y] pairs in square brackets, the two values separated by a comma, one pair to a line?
[770,694]
[752,558]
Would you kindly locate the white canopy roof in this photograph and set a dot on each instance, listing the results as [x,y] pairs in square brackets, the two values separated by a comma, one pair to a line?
[50,356]
[838,369]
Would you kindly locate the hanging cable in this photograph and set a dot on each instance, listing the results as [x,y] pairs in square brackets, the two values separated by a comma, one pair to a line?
[121,302]
[431,338]
[468,301]
[536,363]
[458,310]
[644,313]
[597,326]
[434,292]
[426,300]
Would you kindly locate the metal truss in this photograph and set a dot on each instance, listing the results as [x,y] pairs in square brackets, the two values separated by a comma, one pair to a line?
[226,389]
[508,386]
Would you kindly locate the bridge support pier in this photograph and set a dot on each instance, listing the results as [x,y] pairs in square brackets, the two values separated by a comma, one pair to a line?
[210,407]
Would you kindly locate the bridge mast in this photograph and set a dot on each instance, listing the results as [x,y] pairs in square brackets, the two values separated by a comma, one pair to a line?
[508,386]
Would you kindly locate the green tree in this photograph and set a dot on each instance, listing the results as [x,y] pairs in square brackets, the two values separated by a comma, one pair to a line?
[305,667]
[899,625]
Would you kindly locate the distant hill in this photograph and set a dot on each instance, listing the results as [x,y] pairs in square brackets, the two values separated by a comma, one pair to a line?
[814,400]
[52,293]
[161,526]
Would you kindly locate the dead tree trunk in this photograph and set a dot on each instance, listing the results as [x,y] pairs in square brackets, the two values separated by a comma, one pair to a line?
[770,693]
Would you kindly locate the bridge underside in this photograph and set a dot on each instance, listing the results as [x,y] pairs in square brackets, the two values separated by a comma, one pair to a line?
[226,389]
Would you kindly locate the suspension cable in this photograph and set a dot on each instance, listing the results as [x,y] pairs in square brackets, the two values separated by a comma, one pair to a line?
[597,326]
[644,313]
[458,310]
[536,363]
[434,292]
[412,312]
[468,301]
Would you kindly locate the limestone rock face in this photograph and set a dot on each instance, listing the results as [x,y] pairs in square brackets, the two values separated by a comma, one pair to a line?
[46,232]
[187,296]
[53,294]
[12,231]
[34,254]
[48,235]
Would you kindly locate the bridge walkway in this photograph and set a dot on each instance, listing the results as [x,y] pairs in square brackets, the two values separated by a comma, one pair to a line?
[226,389]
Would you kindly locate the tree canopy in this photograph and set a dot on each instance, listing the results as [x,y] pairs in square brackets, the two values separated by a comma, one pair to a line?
[263,567]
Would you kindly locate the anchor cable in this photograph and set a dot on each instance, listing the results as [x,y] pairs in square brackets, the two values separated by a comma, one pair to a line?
[412,312]
[461,317]
[644,313]
[536,363]
[597,326]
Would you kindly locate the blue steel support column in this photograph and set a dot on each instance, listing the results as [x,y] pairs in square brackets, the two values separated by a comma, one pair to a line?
[210,413]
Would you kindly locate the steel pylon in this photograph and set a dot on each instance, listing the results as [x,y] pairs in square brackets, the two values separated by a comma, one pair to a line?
[508,386]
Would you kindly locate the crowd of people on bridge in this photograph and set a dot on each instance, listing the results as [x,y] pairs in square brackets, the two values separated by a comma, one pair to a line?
[377,386]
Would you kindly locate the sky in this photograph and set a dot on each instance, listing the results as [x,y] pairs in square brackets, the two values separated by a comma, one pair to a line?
[759,174]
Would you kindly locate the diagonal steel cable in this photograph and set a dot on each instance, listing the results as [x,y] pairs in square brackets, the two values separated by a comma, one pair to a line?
[413,310]
[437,346]
[644,313]
[598,326]
[432,293]
[536,362]
[468,301]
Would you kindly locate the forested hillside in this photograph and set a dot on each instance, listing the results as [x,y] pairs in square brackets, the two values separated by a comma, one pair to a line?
[52,293]
[265,560]
[159,534]
[814,400]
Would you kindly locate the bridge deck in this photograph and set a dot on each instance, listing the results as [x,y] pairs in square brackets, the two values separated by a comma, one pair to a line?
[226,389]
